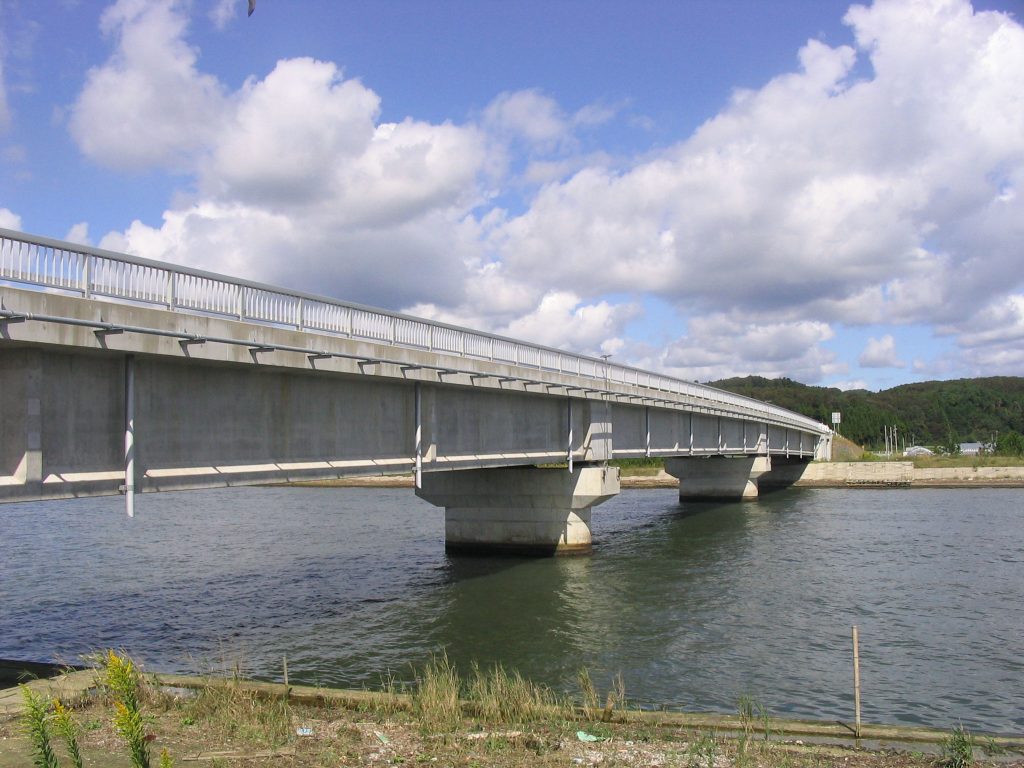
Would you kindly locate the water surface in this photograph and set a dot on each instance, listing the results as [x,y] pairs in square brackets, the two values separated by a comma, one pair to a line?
[693,604]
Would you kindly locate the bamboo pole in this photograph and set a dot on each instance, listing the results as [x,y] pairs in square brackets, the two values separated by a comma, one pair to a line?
[856,683]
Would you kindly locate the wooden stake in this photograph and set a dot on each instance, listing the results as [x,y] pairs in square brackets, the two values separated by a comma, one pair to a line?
[284,663]
[856,684]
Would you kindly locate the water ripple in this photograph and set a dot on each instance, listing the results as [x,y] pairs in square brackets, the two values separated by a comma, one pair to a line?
[695,605]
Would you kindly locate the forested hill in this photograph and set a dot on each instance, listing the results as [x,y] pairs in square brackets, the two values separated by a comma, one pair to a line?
[930,412]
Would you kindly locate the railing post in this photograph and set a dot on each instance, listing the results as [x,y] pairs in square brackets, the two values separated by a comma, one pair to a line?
[241,302]
[87,275]
[172,288]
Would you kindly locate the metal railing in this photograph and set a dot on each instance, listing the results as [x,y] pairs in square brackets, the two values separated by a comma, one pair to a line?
[95,273]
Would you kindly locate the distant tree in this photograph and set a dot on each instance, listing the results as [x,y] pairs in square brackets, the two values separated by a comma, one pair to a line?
[1010,443]
[974,409]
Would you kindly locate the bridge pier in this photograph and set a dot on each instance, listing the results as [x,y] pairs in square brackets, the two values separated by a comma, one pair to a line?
[718,477]
[519,510]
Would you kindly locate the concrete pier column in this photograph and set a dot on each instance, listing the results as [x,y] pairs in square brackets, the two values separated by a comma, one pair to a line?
[718,477]
[519,510]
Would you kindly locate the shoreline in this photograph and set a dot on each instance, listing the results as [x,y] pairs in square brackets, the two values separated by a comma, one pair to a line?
[851,474]
[78,687]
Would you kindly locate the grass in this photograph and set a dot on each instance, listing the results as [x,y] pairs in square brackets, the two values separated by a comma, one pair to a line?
[487,717]
[35,722]
[119,677]
[68,729]
[436,699]
[938,462]
[958,749]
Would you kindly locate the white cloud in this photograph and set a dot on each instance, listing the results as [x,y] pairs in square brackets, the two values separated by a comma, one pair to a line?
[849,384]
[147,105]
[876,183]
[9,219]
[822,195]
[992,339]
[222,12]
[528,115]
[562,320]
[79,233]
[880,353]
[297,182]
[720,346]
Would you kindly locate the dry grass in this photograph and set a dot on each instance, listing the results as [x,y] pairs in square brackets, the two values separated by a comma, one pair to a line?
[939,462]
[231,728]
[490,718]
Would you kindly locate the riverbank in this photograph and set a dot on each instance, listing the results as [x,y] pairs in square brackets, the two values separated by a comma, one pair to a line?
[834,474]
[507,722]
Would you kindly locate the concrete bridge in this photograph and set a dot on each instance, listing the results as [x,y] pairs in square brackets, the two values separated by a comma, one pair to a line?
[123,375]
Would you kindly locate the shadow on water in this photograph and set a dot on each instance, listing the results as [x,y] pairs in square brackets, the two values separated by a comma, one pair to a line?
[458,568]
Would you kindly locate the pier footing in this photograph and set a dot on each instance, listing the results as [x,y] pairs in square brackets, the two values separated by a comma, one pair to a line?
[519,510]
[718,477]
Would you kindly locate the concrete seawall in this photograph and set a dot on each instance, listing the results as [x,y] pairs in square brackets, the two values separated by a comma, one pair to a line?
[866,474]
[904,473]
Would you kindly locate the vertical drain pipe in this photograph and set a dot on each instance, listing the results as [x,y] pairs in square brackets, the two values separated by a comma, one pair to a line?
[647,427]
[569,451]
[129,434]
[419,435]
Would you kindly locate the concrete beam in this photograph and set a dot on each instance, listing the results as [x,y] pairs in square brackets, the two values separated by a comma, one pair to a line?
[718,477]
[519,510]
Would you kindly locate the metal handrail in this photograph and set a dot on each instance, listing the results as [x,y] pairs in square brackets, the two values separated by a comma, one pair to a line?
[101,274]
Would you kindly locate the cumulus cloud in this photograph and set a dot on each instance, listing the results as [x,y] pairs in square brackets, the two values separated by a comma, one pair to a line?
[878,182]
[561,319]
[825,195]
[148,105]
[297,181]
[222,12]
[880,353]
[724,345]
[9,219]
[992,339]
[528,115]
[79,233]
[849,384]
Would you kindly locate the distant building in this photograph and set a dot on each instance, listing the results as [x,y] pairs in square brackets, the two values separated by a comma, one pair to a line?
[976,449]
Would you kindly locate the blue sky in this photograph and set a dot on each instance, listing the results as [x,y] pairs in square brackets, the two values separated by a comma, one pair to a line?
[812,189]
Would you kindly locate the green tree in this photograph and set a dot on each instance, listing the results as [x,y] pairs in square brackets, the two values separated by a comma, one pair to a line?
[1010,443]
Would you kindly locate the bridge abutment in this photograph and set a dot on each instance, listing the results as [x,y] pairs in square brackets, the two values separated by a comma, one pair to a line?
[519,510]
[718,477]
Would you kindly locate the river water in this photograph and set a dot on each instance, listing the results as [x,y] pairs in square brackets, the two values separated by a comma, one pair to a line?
[694,604]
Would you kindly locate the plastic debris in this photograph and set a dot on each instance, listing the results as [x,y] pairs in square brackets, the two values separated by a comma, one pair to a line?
[303,731]
[383,739]
[584,736]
